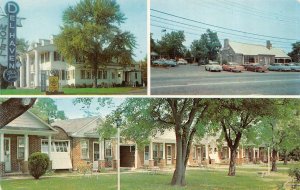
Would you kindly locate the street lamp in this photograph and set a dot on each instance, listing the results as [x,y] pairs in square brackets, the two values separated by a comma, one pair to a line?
[118,124]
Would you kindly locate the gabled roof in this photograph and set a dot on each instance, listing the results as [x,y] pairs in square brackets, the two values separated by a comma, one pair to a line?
[80,126]
[28,123]
[254,49]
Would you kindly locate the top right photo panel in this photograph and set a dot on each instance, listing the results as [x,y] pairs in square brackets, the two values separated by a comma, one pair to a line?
[225,47]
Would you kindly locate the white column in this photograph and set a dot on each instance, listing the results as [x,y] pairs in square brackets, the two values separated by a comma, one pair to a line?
[1,147]
[136,157]
[258,153]
[238,153]
[22,73]
[206,151]
[51,56]
[102,150]
[151,151]
[36,69]
[164,150]
[26,154]
[27,70]
[242,152]
[254,153]
[229,152]
[49,146]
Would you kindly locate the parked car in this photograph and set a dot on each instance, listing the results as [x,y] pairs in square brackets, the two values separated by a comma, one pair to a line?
[181,62]
[159,62]
[279,67]
[233,67]
[213,67]
[295,66]
[256,67]
[170,63]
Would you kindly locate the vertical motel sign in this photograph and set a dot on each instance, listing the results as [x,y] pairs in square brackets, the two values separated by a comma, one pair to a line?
[11,73]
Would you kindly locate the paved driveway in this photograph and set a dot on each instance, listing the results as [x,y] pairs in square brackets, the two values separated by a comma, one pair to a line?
[194,80]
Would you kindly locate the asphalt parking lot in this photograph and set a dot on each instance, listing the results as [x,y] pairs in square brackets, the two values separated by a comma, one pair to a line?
[192,79]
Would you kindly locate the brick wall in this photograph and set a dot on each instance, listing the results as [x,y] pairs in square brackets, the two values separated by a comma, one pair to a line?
[34,146]
[76,152]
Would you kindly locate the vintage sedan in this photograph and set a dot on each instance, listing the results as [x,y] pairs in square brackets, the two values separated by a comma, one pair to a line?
[213,67]
[279,67]
[257,68]
[233,67]
[159,62]
[170,63]
[295,66]
[182,62]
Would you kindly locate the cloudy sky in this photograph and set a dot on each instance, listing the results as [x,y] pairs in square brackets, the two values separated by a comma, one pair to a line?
[232,19]
[43,18]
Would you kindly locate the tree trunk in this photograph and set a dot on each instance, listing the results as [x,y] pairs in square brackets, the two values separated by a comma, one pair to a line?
[179,173]
[285,158]
[274,159]
[232,164]
[95,70]
[13,108]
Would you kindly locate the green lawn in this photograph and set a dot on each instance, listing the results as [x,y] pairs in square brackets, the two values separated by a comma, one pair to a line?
[196,179]
[75,91]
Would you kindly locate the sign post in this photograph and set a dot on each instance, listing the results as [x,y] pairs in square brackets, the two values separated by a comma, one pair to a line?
[11,74]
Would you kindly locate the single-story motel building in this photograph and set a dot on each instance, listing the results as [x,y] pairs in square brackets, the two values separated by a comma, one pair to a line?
[74,143]
[244,53]
[43,58]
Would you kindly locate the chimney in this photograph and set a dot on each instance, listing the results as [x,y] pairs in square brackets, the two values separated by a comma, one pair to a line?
[226,43]
[269,45]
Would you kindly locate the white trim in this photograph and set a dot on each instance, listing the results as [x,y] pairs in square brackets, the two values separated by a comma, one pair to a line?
[1,147]
[26,142]
[9,140]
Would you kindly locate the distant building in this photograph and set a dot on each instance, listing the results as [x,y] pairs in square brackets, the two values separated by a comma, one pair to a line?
[252,53]
[43,57]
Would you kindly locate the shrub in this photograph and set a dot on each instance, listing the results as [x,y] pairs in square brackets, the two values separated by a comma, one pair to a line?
[295,172]
[38,164]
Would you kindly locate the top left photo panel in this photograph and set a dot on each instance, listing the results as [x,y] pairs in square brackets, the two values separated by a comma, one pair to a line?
[73,47]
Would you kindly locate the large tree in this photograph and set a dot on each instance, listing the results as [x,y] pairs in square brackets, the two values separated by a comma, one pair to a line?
[295,53]
[183,116]
[90,35]
[236,116]
[46,109]
[207,47]
[13,108]
[171,45]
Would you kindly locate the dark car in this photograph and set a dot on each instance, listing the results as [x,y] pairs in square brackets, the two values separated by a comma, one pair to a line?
[256,68]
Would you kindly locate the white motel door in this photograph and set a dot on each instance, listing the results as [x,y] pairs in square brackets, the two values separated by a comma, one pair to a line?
[7,156]
[146,155]
[169,154]
[96,155]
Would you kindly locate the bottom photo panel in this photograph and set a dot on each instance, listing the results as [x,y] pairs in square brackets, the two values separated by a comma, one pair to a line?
[149,143]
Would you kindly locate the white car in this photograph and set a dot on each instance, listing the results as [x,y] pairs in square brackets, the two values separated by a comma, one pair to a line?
[181,62]
[213,67]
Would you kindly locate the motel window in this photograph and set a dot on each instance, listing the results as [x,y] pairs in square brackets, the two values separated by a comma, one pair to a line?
[119,75]
[47,56]
[135,75]
[61,146]
[44,147]
[104,74]
[99,75]
[21,147]
[56,56]
[107,146]
[63,75]
[194,152]
[84,144]
[68,74]
[42,58]
[161,150]
[88,74]
[112,75]
[146,152]
[155,150]
[82,74]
